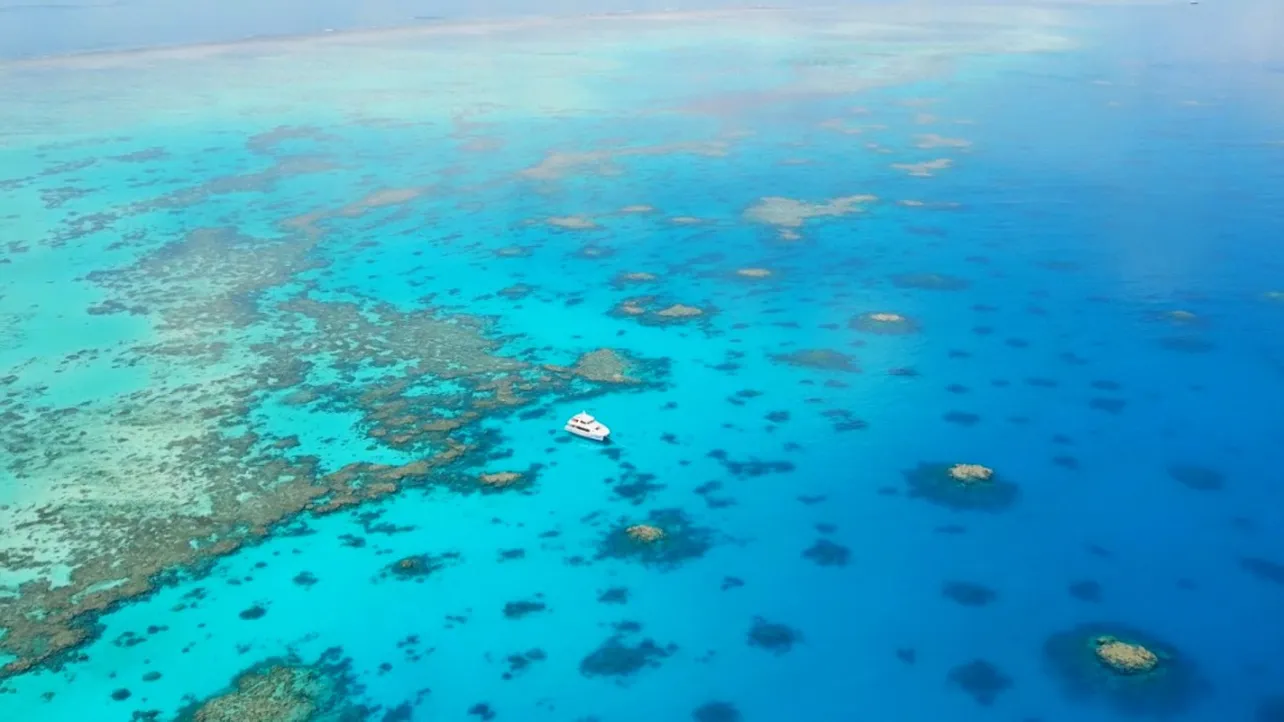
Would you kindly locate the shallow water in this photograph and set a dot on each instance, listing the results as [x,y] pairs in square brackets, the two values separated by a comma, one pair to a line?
[232,272]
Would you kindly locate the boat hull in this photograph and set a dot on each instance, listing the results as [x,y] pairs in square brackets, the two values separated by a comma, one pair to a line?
[592,436]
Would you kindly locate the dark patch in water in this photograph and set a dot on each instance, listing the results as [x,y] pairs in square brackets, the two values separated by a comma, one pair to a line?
[1263,569]
[903,372]
[1199,478]
[1270,709]
[517,663]
[732,583]
[811,500]
[962,418]
[615,658]
[523,607]
[1085,591]
[254,612]
[305,579]
[968,594]
[716,712]
[907,655]
[951,529]
[957,389]
[773,637]
[614,595]
[983,681]
[828,554]
[1066,462]
[1110,406]
[482,711]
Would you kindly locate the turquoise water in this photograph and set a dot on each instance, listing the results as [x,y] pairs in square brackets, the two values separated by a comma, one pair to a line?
[1093,283]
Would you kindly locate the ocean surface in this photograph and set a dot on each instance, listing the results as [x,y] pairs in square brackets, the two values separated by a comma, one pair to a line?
[289,329]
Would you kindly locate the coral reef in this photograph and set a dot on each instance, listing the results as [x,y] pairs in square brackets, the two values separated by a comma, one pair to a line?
[500,479]
[1131,671]
[283,690]
[971,473]
[883,322]
[665,540]
[819,358]
[652,311]
[1124,657]
[644,533]
[772,636]
[983,681]
[961,486]
[617,658]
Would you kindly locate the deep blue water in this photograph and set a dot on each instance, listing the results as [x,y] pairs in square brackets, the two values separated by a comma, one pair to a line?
[1102,331]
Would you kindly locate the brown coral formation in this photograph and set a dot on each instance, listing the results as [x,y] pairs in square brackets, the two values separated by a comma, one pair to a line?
[645,533]
[637,277]
[1123,657]
[679,310]
[650,311]
[499,479]
[971,473]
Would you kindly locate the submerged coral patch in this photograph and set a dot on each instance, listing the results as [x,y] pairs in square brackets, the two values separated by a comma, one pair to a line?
[665,539]
[930,282]
[716,712]
[284,690]
[616,657]
[827,554]
[961,486]
[983,681]
[774,637]
[968,594]
[1199,478]
[885,323]
[1132,671]
[822,359]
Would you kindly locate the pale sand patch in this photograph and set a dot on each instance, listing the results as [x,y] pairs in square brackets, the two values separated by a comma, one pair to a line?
[637,209]
[638,277]
[924,119]
[915,203]
[924,169]
[932,140]
[573,223]
[792,213]
[753,272]
[679,310]
[381,199]
[559,164]
[686,220]
[797,161]
[789,235]
[878,147]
